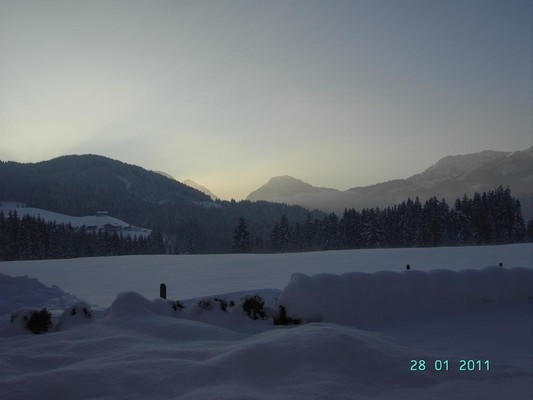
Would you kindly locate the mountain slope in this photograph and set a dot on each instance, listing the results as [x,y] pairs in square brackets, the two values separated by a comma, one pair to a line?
[189,220]
[84,184]
[449,178]
[200,188]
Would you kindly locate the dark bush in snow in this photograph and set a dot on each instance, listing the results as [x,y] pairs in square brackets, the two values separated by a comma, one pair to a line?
[39,321]
[205,304]
[210,303]
[254,306]
[18,323]
[282,319]
[176,305]
[77,314]
[224,304]
[84,311]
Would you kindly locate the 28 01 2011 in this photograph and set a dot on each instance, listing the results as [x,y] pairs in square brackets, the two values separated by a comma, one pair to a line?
[466,365]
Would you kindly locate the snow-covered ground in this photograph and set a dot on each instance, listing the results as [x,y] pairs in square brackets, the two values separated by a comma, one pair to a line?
[92,222]
[367,325]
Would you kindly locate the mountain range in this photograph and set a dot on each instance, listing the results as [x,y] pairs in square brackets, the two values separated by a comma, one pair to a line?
[449,178]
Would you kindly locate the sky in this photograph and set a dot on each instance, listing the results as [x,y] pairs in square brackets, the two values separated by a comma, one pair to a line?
[231,93]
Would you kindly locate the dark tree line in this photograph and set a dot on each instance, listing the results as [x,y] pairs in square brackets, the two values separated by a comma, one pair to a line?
[488,218]
[211,230]
[30,238]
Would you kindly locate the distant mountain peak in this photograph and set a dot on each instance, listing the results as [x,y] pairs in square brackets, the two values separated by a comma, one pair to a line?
[165,174]
[284,186]
[287,180]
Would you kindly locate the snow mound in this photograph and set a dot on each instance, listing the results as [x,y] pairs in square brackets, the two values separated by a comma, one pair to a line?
[154,318]
[342,361]
[23,291]
[75,315]
[215,311]
[132,304]
[18,323]
[376,299]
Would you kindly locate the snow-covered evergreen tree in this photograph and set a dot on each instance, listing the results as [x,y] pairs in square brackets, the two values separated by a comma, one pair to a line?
[372,234]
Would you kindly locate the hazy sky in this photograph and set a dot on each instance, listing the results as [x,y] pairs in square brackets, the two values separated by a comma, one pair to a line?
[231,93]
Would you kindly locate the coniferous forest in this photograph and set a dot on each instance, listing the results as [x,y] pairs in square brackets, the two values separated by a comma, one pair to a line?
[30,238]
[488,218]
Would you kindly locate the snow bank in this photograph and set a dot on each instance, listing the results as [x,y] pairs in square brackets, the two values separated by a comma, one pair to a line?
[22,291]
[376,299]
[19,322]
[215,311]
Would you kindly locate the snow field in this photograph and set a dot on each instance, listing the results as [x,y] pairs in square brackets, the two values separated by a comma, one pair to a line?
[98,280]
[376,319]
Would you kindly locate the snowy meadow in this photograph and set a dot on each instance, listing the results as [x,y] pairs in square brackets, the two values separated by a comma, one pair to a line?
[361,326]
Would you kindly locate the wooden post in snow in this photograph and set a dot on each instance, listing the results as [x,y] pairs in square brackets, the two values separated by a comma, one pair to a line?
[163,291]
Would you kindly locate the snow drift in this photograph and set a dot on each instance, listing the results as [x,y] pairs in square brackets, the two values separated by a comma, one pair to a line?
[376,299]
[23,291]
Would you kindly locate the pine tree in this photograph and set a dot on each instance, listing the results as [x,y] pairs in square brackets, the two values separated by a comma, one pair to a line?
[308,234]
[189,246]
[241,238]
[529,234]
[331,232]
[519,228]
[372,234]
[281,236]
[414,218]
[351,229]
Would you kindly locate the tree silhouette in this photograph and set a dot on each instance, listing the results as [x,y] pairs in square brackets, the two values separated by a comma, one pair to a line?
[241,238]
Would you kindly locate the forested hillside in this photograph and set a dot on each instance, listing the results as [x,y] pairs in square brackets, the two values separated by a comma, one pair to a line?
[188,220]
[80,185]
[32,238]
